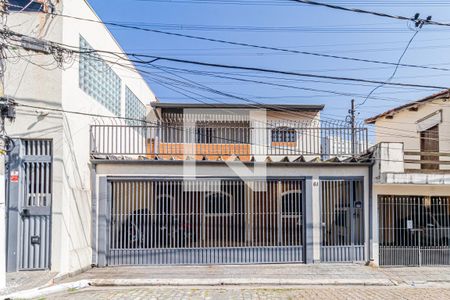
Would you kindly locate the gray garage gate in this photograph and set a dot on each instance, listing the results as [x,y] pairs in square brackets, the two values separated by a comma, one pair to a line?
[205,221]
[414,230]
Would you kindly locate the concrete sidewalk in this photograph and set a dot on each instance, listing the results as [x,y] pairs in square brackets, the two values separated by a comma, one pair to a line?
[297,275]
[25,280]
[276,274]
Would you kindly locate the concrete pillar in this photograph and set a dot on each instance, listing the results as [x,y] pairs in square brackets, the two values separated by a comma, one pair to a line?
[375,259]
[312,215]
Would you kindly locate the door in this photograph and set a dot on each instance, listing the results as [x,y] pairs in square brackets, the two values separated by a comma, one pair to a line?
[342,213]
[29,208]
[429,142]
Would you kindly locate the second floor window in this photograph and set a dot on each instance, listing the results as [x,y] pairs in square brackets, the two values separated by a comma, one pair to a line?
[222,135]
[284,134]
[206,135]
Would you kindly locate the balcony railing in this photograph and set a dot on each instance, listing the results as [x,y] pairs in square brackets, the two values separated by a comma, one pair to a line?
[395,165]
[211,142]
[426,162]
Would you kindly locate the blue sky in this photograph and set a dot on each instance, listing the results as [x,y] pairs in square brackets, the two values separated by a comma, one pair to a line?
[279,23]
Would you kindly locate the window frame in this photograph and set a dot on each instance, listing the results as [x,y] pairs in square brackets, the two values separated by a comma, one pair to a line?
[290,215]
[218,214]
[284,134]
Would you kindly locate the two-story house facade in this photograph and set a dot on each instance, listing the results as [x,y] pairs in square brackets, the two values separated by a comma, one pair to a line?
[229,184]
[411,183]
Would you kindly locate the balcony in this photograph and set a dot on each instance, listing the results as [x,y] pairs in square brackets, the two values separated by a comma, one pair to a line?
[395,165]
[297,142]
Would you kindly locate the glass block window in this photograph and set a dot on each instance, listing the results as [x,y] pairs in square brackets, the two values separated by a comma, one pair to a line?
[134,109]
[98,80]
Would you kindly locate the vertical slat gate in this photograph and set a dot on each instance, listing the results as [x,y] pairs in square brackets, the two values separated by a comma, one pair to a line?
[342,219]
[35,203]
[228,221]
[414,230]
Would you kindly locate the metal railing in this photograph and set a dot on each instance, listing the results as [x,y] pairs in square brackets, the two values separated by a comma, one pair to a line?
[214,141]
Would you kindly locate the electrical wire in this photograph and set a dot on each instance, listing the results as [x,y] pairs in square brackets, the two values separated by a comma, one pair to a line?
[393,73]
[246,44]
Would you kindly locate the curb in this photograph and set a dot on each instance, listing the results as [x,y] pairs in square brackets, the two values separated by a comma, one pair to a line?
[240,282]
[76,285]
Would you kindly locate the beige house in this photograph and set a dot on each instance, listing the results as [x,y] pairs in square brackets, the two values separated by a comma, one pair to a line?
[229,184]
[411,183]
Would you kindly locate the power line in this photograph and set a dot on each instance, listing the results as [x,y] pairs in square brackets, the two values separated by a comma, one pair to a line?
[287,3]
[246,44]
[368,12]
[177,83]
[176,86]
[81,52]
[207,64]
[395,70]
[264,70]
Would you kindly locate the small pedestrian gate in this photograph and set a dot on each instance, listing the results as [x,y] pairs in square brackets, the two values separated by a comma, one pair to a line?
[206,221]
[414,230]
[29,206]
[342,206]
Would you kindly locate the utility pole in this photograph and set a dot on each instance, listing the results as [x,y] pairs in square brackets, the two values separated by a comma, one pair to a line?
[3,245]
[7,111]
[352,112]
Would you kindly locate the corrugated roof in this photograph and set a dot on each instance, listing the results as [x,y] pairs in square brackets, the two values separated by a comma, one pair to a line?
[365,158]
[372,120]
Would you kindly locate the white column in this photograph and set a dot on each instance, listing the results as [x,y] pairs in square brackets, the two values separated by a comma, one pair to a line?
[375,238]
[312,215]
[317,226]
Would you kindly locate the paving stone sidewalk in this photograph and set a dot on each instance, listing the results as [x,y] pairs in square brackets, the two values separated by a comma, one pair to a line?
[193,293]
[258,276]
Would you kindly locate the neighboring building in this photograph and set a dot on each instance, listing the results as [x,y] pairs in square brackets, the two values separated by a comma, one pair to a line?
[228,184]
[49,213]
[411,183]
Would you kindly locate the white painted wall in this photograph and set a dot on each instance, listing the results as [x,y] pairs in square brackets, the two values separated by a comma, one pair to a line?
[55,88]
[167,169]
[403,128]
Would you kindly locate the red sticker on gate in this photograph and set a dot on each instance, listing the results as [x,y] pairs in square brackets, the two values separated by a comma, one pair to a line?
[14,176]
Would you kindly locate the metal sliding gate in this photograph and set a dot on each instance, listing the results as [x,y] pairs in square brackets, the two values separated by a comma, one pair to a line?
[205,222]
[29,206]
[342,211]
[414,230]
